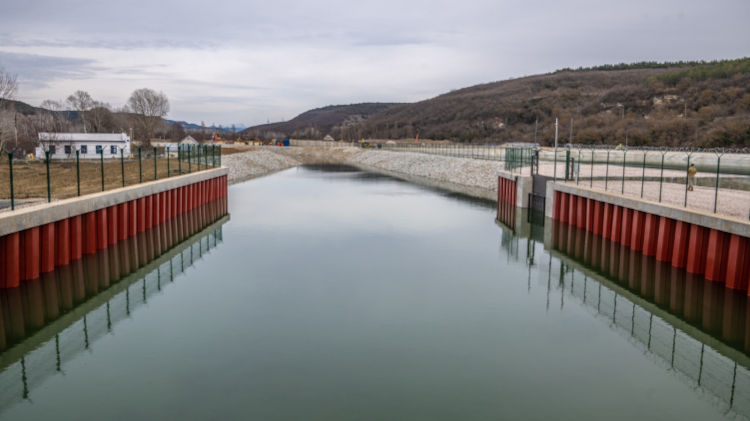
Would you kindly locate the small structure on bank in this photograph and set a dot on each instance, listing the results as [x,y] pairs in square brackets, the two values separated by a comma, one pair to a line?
[88,145]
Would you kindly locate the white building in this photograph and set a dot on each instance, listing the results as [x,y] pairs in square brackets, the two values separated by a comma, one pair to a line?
[89,145]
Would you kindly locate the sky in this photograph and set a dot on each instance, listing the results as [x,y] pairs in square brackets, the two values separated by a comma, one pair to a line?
[249,62]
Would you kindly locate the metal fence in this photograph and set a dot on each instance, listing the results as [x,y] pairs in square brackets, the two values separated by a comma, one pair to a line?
[43,179]
[712,180]
[514,157]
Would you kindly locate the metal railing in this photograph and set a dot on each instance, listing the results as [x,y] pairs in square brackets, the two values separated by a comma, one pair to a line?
[48,178]
[712,180]
[514,157]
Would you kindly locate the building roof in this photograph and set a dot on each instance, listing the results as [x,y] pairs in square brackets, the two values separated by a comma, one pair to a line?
[83,137]
[189,140]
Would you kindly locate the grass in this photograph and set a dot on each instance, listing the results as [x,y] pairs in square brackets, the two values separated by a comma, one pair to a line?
[30,177]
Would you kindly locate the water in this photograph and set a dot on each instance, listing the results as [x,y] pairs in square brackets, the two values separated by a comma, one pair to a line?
[344,295]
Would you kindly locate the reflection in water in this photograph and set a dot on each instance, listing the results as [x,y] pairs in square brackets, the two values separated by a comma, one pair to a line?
[698,329]
[47,322]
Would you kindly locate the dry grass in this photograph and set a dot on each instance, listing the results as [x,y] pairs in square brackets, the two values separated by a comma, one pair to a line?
[30,177]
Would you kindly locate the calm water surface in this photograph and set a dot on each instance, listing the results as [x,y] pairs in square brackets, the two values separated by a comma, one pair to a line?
[340,295]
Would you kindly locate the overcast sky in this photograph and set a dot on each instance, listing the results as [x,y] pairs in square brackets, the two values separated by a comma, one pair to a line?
[246,62]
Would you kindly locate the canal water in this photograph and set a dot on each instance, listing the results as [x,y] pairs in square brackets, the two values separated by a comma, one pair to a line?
[334,294]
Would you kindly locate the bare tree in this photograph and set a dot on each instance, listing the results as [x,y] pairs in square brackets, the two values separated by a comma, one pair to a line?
[8,88]
[100,117]
[149,107]
[81,101]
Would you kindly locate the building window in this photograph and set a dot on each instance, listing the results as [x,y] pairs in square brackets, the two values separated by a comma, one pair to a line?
[98,149]
[84,149]
[51,149]
[113,150]
[67,149]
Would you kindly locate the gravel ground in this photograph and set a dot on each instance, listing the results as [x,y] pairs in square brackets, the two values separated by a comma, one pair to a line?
[255,163]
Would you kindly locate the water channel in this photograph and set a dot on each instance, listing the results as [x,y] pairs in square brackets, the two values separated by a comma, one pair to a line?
[334,294]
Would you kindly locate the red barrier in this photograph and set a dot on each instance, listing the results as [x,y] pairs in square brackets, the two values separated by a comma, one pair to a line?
[11,256]
[627,226]
[149,211]
[650,233]
[47,242]
[113,222]
[716,254]
[665,239]
[62,242]
[101,229]
[636,237]
[564,207]
[696,253]
[89,233]
[737,264]
[76,237]
[122,221]
[30,254]
[141,214]
[616,224]
[607,224]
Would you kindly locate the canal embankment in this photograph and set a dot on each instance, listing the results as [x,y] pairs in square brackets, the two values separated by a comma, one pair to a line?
[476,178]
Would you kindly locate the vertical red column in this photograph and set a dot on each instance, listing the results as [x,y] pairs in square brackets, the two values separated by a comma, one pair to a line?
[48,248]
[89,233]
[665,239]
[564,207]
[636,235]
[101,229]
[598,217]
[11,257]
[616,224]
[499,191]
[156,212]
[30,254]
[62,239]
[122,221]
[627,227]
[716,255]
[696,252]
[572,205]
[737,266]
[141,214]
[607,224]
[650,232]
[149,211]
[581,212]
[680,244]
[76,237]
[113,222]
[132,218]
[556,206]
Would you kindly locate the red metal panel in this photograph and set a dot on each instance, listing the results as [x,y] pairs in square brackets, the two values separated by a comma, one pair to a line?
[680,244]
[636,237]
[47,242]
[556,206]
[564,197]
[11,258]
[598,217]
[616,224]
[650,234]
[607,224]
[736,263]
[149,211]
[101,229]
[696,252]
[76,237]
[122,221]
[716,255]
[89,233]
[62,238]
[156,210]
[141,214]
[581,213]
[627,227]
[664,239]
[30,249]
[113,220]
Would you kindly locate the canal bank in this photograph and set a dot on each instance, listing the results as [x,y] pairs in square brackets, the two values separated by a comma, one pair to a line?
[35,240]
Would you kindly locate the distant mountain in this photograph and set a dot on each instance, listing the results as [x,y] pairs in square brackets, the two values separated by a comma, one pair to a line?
[335,120]
[193,126]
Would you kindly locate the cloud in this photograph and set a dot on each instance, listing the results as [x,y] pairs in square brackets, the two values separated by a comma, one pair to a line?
[244,62]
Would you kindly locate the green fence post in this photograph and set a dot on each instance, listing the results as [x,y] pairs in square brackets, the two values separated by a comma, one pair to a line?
[579,166]
[606,173]
[661,176]
[687,176]
[46,159]
[190,166]
[716,190]
[179,159]
[591,177]
[198,152]
[140,166]
[643,171]
[78,171]
[567,163]
[10,165]
[166,152]
[122,165]
[624,156]
[101,160]
[156,174]
[205,156]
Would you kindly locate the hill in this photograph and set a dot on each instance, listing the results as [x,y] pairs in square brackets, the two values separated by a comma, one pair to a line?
[337,120]
[649,103]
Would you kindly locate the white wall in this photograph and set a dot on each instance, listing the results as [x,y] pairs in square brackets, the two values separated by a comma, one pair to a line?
[90,153]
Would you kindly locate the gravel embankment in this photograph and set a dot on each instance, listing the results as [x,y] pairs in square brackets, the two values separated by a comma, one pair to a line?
[255,163]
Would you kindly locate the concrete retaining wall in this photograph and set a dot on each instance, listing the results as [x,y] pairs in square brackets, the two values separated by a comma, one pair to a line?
[36,239]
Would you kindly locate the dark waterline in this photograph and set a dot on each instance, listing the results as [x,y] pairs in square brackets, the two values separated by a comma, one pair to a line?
[338,294]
